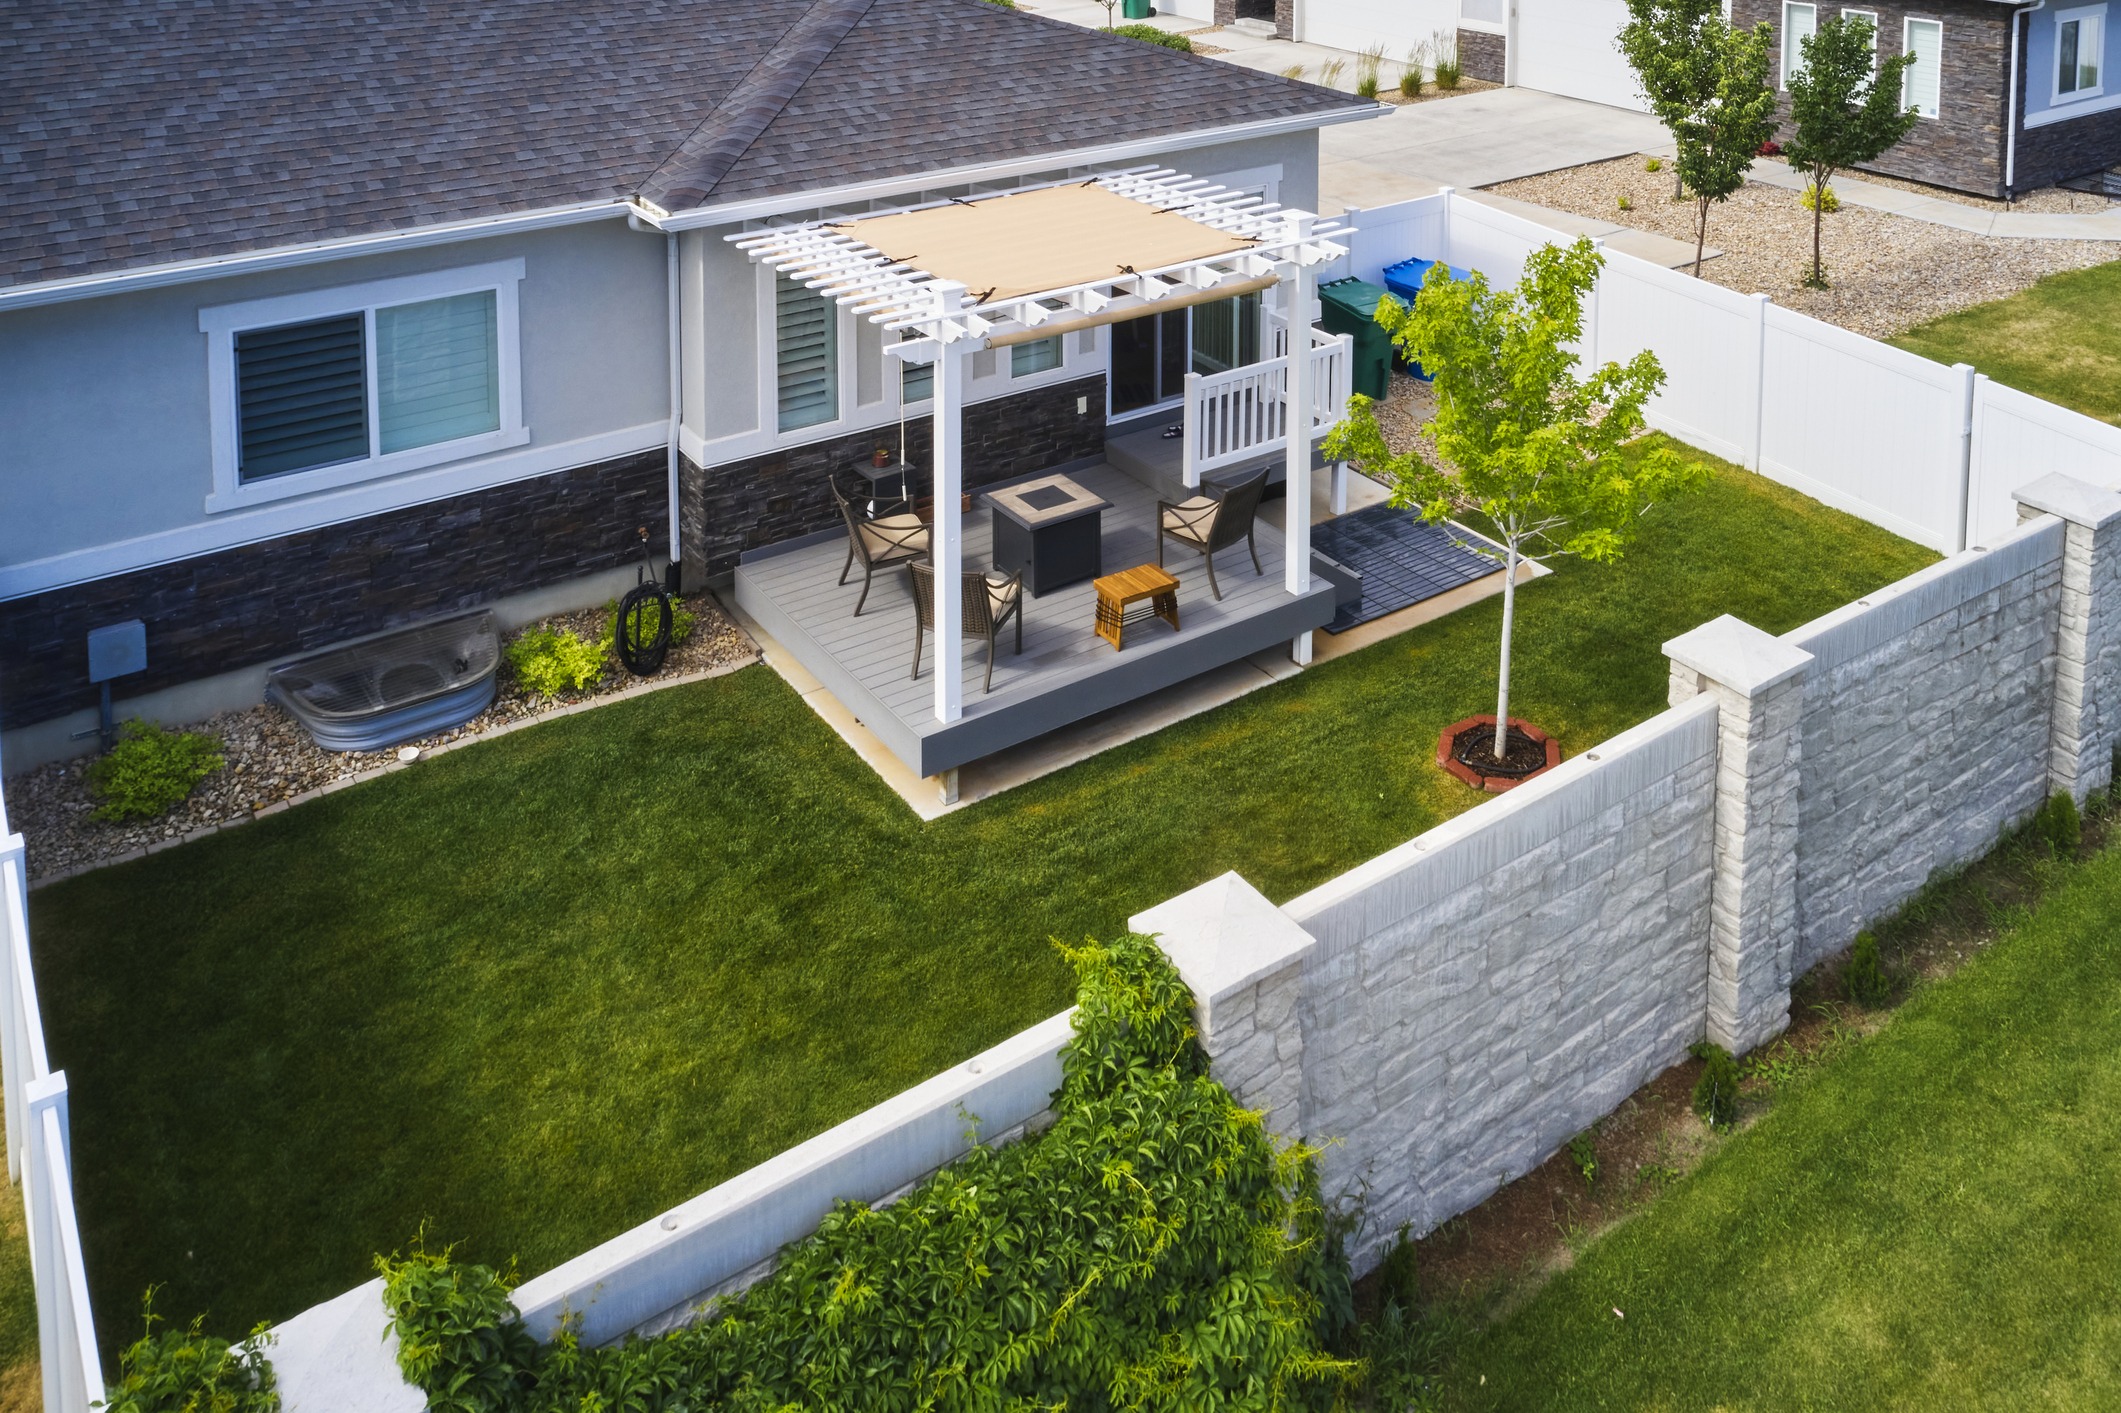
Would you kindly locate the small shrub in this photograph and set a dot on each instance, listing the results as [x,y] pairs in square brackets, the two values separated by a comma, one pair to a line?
[1653,165]
[1583,1152]
[1864,976]
[185,1371]
[1150,34]
[1625,205]
[1004,4]
[1716,1093]
[1810,200]
[548,661]
[682,621]
[150,771]
[2059,826]
[459,1336]
[1771,148]
[1398,1280]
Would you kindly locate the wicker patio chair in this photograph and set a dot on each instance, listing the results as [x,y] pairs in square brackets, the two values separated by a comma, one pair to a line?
[1205,524]
[988,600]
[890,535]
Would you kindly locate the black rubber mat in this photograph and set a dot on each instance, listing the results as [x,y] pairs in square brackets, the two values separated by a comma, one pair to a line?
[1401,559]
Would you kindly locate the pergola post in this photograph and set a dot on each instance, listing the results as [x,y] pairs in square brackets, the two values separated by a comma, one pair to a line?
[1296,568]
[947,537]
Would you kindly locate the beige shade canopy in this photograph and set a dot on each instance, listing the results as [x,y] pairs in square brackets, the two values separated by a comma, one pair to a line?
[1025,243]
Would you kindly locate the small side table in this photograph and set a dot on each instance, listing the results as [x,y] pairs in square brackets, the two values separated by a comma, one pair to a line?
[894,481]
[1116,593]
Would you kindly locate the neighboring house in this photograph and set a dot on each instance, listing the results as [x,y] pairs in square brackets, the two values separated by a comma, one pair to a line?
[320,319]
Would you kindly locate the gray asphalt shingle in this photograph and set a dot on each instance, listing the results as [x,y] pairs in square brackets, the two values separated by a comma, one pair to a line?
[136,132]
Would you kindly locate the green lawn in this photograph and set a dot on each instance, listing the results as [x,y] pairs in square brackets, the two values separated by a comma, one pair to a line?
[2060,340]
[537,991]
[1927,1221]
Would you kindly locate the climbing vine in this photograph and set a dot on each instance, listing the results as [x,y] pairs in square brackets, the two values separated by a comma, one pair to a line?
[1151,1250]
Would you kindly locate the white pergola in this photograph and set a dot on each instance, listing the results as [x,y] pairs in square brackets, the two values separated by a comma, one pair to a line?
[1237,244]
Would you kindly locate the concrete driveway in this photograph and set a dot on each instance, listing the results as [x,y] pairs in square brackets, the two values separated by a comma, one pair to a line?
[1472,141]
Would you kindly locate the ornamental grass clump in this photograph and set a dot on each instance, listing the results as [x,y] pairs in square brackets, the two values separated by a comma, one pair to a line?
[1716,1092]
[1151,1249]
[1864,976]
[150,771]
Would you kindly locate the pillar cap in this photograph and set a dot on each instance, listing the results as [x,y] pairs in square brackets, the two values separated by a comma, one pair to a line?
[2078,502]
[1733,653]
[1223,936]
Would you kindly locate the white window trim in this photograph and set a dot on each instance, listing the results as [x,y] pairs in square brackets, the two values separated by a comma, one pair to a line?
[221,323]
[2056,97]
[1907,32]
[1783,37]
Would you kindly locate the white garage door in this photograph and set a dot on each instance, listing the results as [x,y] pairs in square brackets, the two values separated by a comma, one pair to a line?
[1568,47]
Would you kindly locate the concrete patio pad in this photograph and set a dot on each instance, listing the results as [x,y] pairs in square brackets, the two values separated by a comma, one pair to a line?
[1473,141]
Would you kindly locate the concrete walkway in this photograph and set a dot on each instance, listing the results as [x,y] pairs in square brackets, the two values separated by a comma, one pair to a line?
[1938,211]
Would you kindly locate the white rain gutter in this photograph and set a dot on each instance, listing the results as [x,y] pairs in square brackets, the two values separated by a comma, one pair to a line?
[2011,115]
[760,207]
[281,257]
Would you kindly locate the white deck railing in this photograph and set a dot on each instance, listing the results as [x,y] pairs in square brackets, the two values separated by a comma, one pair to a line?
[40,1156]
[1242,414]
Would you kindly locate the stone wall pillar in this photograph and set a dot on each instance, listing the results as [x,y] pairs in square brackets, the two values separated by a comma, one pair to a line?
[1243,959]
[1758,682]
[2087,720]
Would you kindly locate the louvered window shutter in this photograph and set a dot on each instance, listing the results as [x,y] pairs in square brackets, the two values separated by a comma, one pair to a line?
[438,371]
[301,396]
[807,355]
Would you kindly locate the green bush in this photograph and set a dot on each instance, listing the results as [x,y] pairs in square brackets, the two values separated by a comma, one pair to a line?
[2059,826]
[1150,34]
[1583,1154]
[682,621]
[1398,1278]
[150,771]
[548,661]
[1716,1092]
[184,1371]
[1864,976]
[1810,200]
[1150,1249]
[1653,165]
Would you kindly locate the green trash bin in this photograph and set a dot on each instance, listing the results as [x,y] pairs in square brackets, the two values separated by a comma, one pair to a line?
[1350,307]
[1138,9]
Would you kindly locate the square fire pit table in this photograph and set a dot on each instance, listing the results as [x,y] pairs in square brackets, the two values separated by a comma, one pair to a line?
[1050,528]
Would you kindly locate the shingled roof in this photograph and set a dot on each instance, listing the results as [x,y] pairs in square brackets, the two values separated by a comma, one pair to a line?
[139,132]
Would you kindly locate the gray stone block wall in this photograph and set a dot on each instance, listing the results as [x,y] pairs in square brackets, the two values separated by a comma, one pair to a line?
[1926,730]
[1484,992]
[1483,55]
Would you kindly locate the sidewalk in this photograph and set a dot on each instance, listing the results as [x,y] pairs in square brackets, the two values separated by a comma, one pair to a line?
[1938,211]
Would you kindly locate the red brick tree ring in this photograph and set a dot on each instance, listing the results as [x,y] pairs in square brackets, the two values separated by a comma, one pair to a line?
[1466,749]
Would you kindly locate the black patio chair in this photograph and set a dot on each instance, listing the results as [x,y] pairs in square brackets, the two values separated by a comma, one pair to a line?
[887,535]
[1207,523]
[987,601]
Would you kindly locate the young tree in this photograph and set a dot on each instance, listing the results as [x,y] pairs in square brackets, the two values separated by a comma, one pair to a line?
[1539,452]
[1845,109]
[1708,84]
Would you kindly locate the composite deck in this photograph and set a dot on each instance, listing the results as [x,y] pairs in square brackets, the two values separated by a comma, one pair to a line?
[1065,672]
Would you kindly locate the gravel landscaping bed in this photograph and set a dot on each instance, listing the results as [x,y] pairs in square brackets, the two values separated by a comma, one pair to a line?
[2047,201]
[270,762]
[1887,273]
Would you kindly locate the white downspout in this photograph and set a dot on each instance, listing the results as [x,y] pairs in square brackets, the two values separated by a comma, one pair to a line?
[677,389]
[2011,116]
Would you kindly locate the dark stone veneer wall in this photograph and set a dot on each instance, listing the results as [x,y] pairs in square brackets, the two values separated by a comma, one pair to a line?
[255,603]
[735,506]
[1962,147]
[1482,54]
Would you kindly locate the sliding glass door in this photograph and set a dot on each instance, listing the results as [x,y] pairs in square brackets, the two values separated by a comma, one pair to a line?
[1151,354]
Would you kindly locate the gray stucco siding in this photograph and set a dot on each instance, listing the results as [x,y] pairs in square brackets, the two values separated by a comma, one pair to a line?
[104,402]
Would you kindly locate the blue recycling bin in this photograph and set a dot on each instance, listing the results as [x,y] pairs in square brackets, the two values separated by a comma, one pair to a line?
[1405,280]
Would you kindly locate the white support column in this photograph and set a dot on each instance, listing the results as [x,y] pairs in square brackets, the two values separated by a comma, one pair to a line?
[948,532]
[14,1051]
[1296,541]
[1189,457]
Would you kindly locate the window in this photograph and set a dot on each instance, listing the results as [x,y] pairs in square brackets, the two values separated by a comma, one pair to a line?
[806,355]
[1226,334]
[1799,23]
[329,387]
[1487,14]
[916,381]
[1037,356]
[2080,43]
[1922,86]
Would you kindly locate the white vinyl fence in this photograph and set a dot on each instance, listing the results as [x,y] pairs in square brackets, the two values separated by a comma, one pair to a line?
[39,1156]
[1929,452]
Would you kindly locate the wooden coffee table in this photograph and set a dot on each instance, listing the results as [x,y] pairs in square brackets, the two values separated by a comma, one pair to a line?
[1116,593]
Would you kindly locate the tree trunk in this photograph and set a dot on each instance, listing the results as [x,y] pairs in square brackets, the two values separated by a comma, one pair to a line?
[1701,235]
[1509,617]
[1819,180]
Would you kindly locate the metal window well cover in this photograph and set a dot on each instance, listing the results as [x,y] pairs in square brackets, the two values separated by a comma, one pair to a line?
[395,686]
